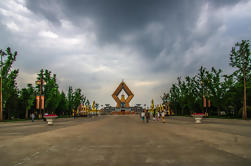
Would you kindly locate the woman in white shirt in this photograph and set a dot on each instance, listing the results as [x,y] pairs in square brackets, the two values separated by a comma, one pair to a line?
[143,116]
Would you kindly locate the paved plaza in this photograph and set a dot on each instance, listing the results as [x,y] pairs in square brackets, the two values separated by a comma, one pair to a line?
[126,140]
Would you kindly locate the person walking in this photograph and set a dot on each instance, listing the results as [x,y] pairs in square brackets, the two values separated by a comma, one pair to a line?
[154,114]
[143,116]
[163,117]
[158,115]
[147,116]
[32,116]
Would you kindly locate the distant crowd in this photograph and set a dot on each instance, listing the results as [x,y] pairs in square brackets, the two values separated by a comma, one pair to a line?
[156,115]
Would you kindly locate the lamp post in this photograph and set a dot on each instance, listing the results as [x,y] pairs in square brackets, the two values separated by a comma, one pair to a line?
[41,83]
[1,105]
[206,104]
[203,97]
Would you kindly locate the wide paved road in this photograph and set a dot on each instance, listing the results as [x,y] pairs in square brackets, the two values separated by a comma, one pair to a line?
[125,140]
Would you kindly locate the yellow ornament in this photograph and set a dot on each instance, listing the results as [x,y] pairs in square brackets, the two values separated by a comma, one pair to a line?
[93,106]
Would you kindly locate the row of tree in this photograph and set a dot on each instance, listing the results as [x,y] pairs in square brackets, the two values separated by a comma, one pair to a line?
[213,92]
[20,103]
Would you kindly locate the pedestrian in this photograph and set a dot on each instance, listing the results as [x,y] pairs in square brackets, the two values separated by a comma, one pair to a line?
[147,116]
[158,115]
[154,114]
[143,115]
[163,116]
[32,116]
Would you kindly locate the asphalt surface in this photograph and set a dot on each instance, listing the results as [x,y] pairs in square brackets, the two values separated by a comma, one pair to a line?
[126,140]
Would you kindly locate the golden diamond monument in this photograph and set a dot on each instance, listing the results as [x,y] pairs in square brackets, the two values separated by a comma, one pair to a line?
[122,103]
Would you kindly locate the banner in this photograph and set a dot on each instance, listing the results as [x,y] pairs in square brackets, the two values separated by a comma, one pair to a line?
[209,103]
[204,101]
[37,102]
[42,102]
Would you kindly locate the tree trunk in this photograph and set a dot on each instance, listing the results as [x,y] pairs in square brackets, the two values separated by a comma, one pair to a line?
[26,114]
[244,115]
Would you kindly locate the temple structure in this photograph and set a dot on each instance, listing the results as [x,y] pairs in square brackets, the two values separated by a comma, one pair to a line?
[122,103]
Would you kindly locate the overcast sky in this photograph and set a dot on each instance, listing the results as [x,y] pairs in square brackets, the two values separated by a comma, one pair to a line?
[94,44]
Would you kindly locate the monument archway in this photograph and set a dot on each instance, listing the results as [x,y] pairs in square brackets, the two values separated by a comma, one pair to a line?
[122,102]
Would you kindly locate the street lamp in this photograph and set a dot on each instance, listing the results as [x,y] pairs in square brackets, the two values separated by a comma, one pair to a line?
[1,105]
[203,97]
[40,82]
[206,104]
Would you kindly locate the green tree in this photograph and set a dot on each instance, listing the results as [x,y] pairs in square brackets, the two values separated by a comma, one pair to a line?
[78,98]
[192,98]
[50,90]
[174,99]
[186,96]
[9,85]
[202,83]
[70,100]
[62,106]
[240,59]
[216,90]
[27,97]
[231,97]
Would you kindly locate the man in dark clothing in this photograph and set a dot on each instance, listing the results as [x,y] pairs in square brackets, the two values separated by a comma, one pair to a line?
[154,114]
[147,116]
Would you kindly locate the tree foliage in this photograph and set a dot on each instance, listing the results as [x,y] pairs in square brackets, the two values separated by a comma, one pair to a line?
[9,85]
[223,91]
[240,59]
[27,97]
[20,103]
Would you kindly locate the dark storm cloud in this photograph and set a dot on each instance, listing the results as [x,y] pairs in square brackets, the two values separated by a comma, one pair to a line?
[46,8]
[115,19]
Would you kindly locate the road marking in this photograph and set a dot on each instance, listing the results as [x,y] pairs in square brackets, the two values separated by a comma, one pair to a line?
[34,155]
[19,163]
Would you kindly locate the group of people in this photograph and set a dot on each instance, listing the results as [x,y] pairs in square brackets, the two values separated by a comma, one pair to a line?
[157,115]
